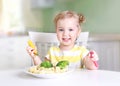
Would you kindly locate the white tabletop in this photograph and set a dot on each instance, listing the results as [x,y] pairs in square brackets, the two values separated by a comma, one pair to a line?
[76,78]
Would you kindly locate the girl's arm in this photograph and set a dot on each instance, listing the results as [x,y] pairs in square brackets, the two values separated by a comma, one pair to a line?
[36,59]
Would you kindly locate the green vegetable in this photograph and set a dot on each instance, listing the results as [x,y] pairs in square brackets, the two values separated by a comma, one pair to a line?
[46,64]
[62,64]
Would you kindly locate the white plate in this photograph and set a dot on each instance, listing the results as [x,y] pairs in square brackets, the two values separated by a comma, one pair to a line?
[52,75]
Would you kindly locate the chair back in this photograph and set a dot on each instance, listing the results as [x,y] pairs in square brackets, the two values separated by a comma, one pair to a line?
[44,41]
[83,39]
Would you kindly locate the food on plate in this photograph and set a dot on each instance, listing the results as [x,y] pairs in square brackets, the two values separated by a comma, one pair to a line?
[46,64]
[62,64]
[46,67]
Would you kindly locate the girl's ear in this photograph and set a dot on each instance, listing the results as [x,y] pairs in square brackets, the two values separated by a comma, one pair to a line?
[79,32]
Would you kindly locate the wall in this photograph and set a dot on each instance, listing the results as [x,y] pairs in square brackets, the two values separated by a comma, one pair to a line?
[32,19]
[102,15]
[0,14]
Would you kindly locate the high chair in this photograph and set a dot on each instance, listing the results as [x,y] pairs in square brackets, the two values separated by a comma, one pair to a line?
[44,41]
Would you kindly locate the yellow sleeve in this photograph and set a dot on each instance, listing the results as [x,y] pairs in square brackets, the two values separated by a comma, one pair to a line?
[85,51]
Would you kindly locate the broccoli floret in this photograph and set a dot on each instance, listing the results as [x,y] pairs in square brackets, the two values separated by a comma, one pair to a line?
[46,64]
[62,64]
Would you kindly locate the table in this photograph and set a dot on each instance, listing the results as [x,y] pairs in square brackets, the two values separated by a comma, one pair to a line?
[78,77]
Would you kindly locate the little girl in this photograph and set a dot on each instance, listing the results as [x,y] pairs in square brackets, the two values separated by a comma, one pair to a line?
[68,28]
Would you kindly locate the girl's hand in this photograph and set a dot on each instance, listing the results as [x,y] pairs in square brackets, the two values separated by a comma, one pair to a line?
[36,59]
[32,45]
[31,51]
[94,57]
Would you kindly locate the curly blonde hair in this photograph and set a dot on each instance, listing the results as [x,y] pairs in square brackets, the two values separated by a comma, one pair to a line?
[69,14]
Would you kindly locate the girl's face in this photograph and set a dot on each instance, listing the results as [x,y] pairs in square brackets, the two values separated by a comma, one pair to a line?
[67,31]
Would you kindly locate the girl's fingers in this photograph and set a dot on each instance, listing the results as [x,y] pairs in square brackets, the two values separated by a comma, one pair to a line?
[93,55]
[30,51]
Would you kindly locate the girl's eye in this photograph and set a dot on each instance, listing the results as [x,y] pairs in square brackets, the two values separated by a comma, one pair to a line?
[70,29]
[61,30]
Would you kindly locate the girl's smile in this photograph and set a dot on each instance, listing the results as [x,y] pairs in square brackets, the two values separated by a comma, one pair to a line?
[66,39]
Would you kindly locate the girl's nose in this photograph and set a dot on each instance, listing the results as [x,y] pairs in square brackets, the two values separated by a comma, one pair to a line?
[65,33]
